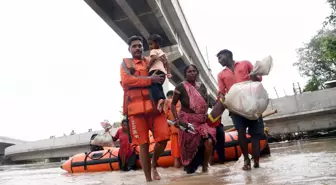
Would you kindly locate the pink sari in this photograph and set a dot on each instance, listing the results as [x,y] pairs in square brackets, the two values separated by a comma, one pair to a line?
[189,142]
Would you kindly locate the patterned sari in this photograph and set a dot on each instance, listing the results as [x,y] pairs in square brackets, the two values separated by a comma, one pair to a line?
[189,143]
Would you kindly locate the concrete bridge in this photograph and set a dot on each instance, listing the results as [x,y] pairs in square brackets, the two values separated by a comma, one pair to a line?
[164,17]
[53,148]
[6,142]
[304,112]
[308,111]
[127,18]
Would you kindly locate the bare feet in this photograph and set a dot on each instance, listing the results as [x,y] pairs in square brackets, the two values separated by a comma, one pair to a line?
[205,168]
[155,174]
[247,164]
[256,162]
[211,161]
[177,163]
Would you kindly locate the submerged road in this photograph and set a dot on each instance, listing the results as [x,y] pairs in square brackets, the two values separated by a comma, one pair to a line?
[298,162]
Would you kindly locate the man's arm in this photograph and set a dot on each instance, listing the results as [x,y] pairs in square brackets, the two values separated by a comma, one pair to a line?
[134,81]
[221,87]
[253,77]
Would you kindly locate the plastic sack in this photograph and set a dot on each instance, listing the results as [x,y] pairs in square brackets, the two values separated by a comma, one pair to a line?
[106,124]
[263,67]
[248,99]
[104,139]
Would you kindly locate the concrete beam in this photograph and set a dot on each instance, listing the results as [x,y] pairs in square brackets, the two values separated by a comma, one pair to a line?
[160,13]
[106,18]
[186,38]
[10,140]
[303,123]
[134,18]
[53,143]
[47,154]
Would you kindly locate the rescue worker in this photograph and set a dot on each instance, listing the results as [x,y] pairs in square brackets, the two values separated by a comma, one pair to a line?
[175,148]
[140,109]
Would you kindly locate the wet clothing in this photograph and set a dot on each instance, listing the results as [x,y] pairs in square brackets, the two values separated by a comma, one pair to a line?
[138,104]
[131,162]
[220,145]
[255,127]
[175,147]
[226,79]
[140,125]
[192,145]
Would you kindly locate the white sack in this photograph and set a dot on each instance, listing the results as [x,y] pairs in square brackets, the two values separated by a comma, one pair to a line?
[263,67]
[248,99]
[104,139]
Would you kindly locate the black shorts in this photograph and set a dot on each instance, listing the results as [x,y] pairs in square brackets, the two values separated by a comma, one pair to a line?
[255,127]
[156,89]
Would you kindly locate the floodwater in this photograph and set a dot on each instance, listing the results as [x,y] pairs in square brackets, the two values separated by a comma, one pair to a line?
[298,162]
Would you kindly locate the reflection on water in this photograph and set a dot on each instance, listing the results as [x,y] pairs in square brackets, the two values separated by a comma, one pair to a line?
[301,162]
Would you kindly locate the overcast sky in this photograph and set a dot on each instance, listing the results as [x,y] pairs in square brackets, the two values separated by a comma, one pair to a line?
[59,61]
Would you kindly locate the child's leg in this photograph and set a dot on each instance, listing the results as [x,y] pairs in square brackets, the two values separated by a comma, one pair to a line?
[160,105]
[162,97]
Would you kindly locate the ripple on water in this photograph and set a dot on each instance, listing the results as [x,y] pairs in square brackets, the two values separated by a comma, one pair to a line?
[291,163]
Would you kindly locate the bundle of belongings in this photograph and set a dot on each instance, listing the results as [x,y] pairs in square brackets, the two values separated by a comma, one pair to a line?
[248,99]
[104,139]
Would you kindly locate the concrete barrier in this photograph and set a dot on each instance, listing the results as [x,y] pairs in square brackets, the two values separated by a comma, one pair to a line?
[303,112]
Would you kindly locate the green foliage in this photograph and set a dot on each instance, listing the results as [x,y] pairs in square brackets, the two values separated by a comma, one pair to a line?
[317,59]
[313,84]
[331,19]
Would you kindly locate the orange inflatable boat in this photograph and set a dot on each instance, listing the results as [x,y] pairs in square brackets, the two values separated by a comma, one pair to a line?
[107,159]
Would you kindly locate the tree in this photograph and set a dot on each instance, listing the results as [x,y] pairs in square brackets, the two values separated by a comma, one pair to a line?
[331,19]
[313,84]
[317,59]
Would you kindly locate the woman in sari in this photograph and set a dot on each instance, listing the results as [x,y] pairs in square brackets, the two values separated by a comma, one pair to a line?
[196,149]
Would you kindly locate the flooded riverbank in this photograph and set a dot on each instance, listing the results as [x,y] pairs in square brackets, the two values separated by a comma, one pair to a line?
[297,162]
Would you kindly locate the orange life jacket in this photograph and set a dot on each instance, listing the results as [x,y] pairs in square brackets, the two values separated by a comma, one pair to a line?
[136,99]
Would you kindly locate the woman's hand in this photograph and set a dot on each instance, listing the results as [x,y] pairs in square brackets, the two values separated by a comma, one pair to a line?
[177,122]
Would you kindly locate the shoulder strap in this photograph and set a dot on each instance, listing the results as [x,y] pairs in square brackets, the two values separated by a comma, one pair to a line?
[130,70]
